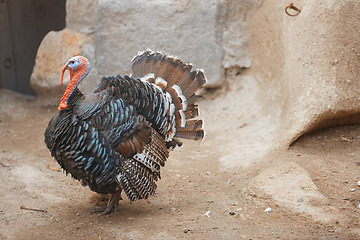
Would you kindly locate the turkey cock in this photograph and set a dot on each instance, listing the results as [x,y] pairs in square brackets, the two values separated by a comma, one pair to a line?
[117,137]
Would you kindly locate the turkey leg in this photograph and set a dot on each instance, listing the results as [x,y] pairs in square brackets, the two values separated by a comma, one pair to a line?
[112,204]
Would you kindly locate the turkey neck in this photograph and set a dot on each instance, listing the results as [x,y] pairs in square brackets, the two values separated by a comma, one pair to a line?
[75,78]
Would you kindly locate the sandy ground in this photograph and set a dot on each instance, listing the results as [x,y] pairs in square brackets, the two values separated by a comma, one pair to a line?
[215,189]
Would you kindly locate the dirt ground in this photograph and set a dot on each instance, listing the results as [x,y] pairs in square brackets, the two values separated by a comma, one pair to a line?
[215,189]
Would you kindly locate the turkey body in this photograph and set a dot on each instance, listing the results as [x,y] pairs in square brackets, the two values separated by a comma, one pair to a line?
[119,136]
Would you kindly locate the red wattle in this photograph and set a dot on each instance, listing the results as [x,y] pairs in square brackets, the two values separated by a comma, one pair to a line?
[62,74]
[74,81]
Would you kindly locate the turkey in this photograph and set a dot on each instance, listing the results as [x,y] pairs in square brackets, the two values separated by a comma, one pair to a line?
[117,137]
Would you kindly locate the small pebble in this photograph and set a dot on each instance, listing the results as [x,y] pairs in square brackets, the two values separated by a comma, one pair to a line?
[208,214]
[352,189]
[358,183]
[267,210]
[232,212]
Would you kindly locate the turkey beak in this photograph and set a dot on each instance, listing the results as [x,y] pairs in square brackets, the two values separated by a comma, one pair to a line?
[62,73]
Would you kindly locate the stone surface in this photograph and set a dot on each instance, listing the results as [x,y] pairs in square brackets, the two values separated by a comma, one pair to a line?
[321,68]
[308,64]
[81,15]
[187,29]
[235,36]
[292,187]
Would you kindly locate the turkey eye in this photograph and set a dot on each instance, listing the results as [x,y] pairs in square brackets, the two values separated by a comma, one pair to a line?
[71,62]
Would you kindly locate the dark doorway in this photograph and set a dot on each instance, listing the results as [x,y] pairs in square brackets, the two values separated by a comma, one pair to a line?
[23,24]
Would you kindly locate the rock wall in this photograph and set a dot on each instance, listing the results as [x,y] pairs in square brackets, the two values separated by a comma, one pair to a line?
[185,29]
[322,68]
[204,33]
[308,64]
[306,67]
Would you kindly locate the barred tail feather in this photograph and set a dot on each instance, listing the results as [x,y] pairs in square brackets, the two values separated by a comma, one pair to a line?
[139,65]
[193,130]
[192,112]
[197,82]
[192,125]
[194,135]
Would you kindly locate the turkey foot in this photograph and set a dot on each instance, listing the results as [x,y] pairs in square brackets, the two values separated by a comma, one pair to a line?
[112,205]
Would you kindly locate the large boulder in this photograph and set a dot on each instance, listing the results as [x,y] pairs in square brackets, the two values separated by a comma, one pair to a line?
[54,51]
[81,15]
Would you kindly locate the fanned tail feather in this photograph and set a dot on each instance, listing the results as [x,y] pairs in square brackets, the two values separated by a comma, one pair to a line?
[175,78]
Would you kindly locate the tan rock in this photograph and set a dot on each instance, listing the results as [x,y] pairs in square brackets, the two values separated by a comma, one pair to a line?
[81,15]
[55,49]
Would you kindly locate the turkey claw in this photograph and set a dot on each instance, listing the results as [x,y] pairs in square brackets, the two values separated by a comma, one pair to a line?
[112,205]
[104,209]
